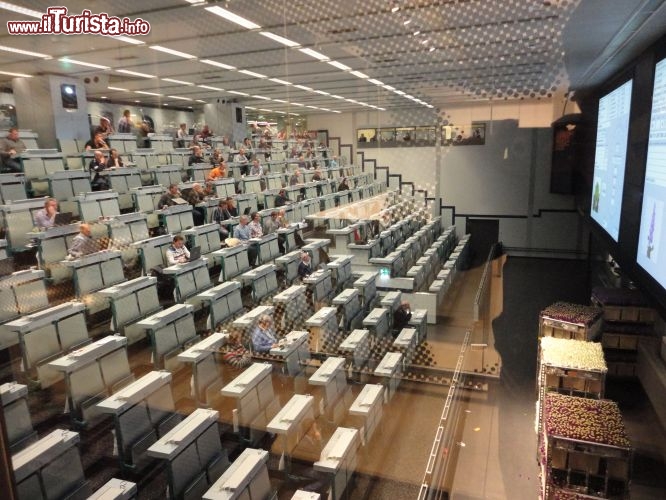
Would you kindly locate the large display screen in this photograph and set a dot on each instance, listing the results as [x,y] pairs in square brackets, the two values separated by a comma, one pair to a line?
[652,238]
[610,158]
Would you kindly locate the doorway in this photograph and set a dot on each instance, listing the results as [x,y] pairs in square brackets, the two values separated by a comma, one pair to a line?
[485,233]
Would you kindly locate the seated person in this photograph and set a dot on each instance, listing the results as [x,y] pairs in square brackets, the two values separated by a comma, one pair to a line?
[216,158]
[231,206]
[97,142]
[271,225]
[256,231]
[401,316]
[295,178]
[263,334]
[344,185]
[177,253]
[317,176]
[181,136]
[10,148]
[167,198]
[235,354]
[243,232]
[305,266]
[196,156]
[219,171]
[83,243]
[281,198]
[256,168]
[241,159]
[221,214]
[97,165]
[114,159]
[45,218]
[196,196]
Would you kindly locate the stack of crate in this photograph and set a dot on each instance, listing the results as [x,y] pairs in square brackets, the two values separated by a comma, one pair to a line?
[626,319]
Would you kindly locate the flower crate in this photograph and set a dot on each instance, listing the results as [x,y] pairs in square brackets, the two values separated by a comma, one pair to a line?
[572,367]
[570,321]
[585,451]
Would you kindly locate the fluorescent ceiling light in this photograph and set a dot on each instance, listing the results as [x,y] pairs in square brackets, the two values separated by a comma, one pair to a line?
[432,49]
[280,100]
[280,39]
[282,82]
[294,114]
[135,73]
[407,22]
[297,104]
[262,97]
[24,52]
[303,87]
[250,107]
[251,73]
[118,88]
[103,97]
[400,92]
[359,74]
[147,93]
[339,65]
[172,52]
[315,54]
[199,100]
[322,92]
[21,10]
[388,87]
[82,63]
[313,107]
[281,112]
[417,32]
[234,18]
[165,104]
[376,82]
[195,2]
[179,97]
[266,110]
[325,109]
[336,111]
[352,100]
[9,73]
[210,88]
[128,39]
[218,64]
[238,93]
[395,8]
[336,96]
[423,42]
[181,82]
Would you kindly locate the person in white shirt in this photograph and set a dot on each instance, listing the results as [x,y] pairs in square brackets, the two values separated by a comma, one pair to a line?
[177,253]
[256,231]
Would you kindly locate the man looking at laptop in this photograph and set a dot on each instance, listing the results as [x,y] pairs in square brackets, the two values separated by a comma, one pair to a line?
[168,198]
[45,218]
[177,253]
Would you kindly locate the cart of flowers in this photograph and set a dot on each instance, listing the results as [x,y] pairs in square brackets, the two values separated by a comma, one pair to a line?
[584,450]
[570,321]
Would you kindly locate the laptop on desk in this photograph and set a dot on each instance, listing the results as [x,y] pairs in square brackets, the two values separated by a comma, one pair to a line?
[195,254]
[62,219]
[179,201]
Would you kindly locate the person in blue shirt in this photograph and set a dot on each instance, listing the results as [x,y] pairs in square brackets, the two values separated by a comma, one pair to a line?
[263,334]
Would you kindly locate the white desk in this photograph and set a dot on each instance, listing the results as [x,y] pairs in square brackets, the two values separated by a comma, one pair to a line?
[338,459]
[246,478]
[368,407]
[357,344]
[44,451]
[292,414]
[183,434]
[324,327]
[115,489]
[294,349]
[247,380]
[248,319]
[390,369]
[135,392]
[88,354]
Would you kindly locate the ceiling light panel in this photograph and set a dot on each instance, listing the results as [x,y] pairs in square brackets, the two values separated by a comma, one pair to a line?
[172,52]
[280,39]
[234,18]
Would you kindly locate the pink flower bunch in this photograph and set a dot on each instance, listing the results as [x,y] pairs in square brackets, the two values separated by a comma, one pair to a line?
[573,313]
[592,420]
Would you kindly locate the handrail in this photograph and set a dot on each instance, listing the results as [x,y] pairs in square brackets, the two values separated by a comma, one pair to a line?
[438,461]
[480,292]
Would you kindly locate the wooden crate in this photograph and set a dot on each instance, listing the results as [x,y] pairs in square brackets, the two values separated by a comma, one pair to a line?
[550,327]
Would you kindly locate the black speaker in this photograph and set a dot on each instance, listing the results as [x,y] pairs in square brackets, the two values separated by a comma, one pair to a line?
[239,115]
[68,96]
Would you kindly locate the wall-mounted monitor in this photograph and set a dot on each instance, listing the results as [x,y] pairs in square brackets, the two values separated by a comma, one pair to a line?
[610,158]
[651,254]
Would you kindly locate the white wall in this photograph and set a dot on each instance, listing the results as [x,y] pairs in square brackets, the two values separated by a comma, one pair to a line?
[507,179]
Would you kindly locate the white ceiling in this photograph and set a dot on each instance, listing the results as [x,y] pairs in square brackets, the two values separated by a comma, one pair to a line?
[464,50]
